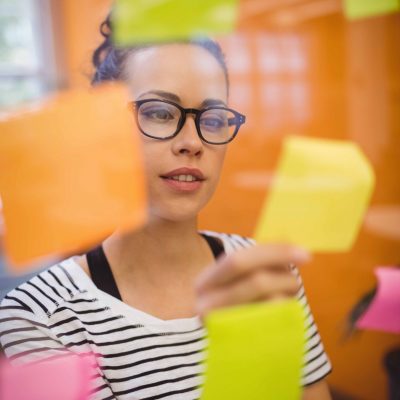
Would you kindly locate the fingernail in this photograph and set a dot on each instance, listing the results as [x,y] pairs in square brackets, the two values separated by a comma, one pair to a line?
[301,255]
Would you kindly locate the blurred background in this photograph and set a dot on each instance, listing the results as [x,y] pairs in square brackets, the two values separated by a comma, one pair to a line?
[296,67]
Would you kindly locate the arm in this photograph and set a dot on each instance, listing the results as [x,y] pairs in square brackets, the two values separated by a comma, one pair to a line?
[317,391]
[262,272]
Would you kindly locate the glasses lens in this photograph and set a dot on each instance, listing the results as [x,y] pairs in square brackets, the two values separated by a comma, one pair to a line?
[217,125]
[158,119]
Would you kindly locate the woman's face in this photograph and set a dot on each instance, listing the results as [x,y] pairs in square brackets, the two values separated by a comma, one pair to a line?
[190,76]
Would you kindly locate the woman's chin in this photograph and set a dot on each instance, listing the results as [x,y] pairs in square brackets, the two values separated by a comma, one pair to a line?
[176,212]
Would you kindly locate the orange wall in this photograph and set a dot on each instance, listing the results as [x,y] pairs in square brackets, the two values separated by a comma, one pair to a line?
[324,77]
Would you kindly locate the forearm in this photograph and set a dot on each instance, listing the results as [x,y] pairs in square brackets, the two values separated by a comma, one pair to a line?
[317,391]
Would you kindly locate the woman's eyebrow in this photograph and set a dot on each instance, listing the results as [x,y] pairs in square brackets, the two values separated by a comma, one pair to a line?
[213,102]
[175,98]
[164,94]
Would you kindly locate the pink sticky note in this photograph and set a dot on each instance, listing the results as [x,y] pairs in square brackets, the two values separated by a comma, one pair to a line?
[383,314]
[66,378]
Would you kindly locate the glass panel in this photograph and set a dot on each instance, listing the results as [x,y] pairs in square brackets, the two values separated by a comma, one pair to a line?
[18,90]
[20,60]
[17,39]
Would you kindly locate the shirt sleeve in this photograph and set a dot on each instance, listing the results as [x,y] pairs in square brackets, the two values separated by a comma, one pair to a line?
[316,362]
[24,335]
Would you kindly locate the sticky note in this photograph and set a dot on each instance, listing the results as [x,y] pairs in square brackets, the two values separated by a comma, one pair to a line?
[143,21]
[70,173]
[67,378]
[319,195]
[383,314]
[355,9]
[255,352]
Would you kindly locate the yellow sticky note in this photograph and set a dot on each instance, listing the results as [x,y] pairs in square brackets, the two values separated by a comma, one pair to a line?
[319,195]
[143,21]
[355,9]
[70,173]
[255,352]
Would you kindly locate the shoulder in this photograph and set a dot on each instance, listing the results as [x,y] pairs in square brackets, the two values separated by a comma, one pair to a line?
[46,291]
[231,241]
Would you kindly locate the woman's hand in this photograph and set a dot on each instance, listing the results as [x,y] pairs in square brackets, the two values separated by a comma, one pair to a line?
[257,273]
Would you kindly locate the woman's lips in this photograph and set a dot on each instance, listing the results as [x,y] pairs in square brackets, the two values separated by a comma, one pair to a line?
[182,186]
[184,179]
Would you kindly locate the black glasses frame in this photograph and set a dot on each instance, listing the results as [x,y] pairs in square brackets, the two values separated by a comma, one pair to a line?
[238,119]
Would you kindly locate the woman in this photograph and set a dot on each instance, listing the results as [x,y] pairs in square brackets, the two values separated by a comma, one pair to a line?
[135,301]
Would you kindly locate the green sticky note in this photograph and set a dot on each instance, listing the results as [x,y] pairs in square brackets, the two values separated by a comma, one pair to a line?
[355,9]
[255,352]
[144,21]
[319,195]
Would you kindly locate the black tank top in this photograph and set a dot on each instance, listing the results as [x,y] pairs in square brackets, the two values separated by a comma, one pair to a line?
[103,277]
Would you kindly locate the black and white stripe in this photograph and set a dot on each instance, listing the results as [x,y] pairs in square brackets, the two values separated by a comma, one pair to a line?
[137,356]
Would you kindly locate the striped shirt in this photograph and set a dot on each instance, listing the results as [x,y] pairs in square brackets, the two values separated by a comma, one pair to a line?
[137,356]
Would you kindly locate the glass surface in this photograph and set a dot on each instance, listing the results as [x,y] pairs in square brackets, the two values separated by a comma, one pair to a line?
[17,36]
[20,60]
[19,90]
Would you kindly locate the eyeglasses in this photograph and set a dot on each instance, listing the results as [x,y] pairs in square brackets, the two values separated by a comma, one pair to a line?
[163,119]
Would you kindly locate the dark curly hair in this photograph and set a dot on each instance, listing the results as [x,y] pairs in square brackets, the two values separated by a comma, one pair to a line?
[109,60]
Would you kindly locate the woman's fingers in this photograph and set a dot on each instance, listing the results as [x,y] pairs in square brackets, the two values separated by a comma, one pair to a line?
[254,274]
[261,285]
[247,261]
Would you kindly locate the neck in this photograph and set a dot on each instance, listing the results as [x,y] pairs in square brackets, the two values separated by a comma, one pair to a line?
[160,247]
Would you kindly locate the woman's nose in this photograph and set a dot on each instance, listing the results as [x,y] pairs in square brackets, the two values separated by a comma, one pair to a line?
[188,140]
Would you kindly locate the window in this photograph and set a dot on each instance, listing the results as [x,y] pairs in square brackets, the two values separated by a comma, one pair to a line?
[27,62]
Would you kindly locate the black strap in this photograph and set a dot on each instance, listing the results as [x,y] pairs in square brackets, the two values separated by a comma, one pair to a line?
[103,278]
[216,246]
[101,273]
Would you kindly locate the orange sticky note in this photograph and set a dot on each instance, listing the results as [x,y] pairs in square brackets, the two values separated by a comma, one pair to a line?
[70,173]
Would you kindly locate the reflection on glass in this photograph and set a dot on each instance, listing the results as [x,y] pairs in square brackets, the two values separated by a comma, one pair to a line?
[20,59]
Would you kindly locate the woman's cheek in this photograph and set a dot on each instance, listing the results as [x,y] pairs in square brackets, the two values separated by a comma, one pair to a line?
[150,157]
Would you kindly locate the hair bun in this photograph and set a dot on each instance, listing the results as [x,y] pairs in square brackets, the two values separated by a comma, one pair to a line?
[105,27]
[103,50]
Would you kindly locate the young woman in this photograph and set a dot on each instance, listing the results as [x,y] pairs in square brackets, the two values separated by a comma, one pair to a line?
[136,301]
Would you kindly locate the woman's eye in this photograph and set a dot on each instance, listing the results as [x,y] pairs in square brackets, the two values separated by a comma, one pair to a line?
[213,123]
[158,115]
